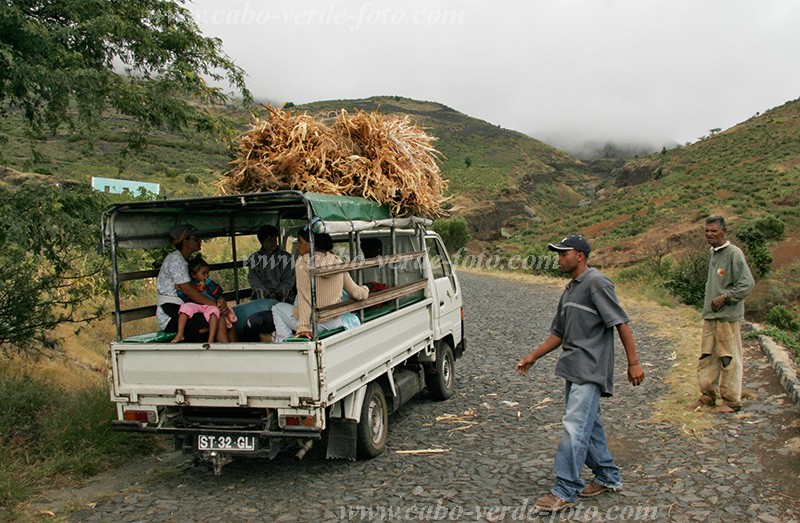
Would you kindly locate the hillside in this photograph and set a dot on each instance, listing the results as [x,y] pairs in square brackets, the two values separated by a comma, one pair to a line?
[498,178]
[657,204]
[184,164]
[743,173]
[502,179]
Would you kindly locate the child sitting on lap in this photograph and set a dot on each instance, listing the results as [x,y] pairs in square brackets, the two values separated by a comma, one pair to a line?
[199,270]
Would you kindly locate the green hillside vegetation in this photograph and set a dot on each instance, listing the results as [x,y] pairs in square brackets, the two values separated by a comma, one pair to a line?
[651,219]
[745,172]
[494,173]
[184,164]
[481,158]
[511,188]
[498,177]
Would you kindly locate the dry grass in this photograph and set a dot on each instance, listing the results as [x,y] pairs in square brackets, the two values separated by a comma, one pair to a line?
[517,276]
[381,157]
[680,326]
[78,360]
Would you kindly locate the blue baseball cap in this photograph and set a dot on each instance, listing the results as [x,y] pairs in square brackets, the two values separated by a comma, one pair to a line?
[574,242]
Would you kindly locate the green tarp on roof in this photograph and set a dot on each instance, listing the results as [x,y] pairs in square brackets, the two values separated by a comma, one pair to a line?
[331,207]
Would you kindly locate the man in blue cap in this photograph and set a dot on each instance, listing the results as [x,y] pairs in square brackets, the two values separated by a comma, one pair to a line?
[583,327]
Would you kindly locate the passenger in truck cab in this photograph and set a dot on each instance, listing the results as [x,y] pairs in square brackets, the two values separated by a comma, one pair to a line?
[173,277]
[329,289]
[375,278]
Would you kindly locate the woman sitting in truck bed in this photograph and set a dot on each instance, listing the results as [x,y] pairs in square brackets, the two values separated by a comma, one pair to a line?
[329,289]
[173,277]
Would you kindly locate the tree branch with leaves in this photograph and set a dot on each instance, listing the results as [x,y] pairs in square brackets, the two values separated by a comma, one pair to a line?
[48,251]
[68,62]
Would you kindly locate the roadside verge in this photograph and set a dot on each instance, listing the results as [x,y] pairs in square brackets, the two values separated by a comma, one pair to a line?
[781,362]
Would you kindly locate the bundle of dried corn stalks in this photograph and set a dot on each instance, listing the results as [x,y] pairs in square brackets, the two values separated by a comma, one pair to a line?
[382,157]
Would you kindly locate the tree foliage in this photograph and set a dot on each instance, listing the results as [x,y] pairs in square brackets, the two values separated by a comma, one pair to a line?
[755,237]
[454,232]
[782,318]
[69,61]
[48,249]
[686,278]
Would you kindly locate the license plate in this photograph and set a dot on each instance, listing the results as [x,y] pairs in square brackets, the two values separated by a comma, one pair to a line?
[231,443]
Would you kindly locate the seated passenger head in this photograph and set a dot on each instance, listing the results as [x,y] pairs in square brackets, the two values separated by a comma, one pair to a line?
[371,247]
[267,232]
[186,232]
[199,268]
[322,241]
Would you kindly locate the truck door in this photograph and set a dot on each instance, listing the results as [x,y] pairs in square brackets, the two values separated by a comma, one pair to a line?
[447,301]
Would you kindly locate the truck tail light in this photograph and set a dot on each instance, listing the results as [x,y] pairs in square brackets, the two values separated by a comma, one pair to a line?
[298,421]
[145,416]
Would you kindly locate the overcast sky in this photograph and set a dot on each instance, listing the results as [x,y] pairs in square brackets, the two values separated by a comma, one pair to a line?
[624,70]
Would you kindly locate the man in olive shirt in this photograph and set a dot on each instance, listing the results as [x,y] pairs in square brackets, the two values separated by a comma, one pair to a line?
[730,281]
[584,326]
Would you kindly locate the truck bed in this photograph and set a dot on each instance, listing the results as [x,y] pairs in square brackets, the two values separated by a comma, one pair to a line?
[268,375]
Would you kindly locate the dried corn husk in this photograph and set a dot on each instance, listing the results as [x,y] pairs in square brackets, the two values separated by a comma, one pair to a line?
[385,158]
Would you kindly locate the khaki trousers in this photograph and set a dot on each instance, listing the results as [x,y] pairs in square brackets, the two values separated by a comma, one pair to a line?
[719,381]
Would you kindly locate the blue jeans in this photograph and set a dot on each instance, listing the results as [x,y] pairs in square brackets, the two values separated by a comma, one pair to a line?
[285,323]
[583,442]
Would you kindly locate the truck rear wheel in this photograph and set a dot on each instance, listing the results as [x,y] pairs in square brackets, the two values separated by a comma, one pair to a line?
[374,424]
[441,382]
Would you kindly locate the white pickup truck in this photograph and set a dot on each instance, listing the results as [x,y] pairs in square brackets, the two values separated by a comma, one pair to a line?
[222,400]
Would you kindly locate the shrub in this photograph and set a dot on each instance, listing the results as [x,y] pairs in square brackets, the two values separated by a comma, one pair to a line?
[759,259]
[48,235]
[771,227]
[755,236]
[687,278]
[454,232]
[782,318]
[540,259]
[191,179]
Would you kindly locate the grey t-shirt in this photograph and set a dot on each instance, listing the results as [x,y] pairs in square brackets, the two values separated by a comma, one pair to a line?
[271,273]
[587,314]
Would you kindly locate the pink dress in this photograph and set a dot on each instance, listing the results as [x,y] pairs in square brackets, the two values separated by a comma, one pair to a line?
[191,308]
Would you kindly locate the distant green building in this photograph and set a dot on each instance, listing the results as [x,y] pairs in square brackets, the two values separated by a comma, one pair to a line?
[112,185]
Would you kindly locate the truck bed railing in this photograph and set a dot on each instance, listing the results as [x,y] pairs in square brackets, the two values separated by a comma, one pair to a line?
[153,273]
[327,313]
[331,311]
[369,262]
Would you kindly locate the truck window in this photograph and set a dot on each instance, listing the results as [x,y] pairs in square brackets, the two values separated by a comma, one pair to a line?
[440,265]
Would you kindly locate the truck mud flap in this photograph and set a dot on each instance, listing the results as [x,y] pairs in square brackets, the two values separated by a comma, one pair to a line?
[460,348]
[342,439]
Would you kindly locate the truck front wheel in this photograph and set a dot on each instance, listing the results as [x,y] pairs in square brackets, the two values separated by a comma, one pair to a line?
[374,424]
[441,381]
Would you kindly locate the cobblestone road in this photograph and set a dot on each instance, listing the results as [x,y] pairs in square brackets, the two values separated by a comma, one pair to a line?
[500,453]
